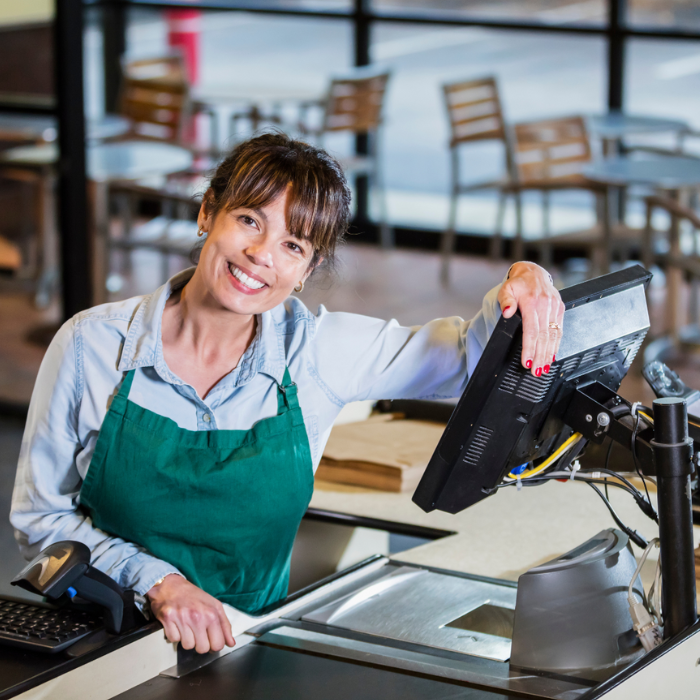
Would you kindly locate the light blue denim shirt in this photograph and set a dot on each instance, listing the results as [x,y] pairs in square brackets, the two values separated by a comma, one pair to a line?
[334,358]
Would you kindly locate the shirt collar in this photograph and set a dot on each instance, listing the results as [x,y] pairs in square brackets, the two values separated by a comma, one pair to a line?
[143,345]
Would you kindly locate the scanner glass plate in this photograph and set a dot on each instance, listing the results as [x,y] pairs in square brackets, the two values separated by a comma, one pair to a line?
[422,607]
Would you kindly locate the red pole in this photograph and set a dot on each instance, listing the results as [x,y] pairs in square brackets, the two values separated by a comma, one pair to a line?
[184,28]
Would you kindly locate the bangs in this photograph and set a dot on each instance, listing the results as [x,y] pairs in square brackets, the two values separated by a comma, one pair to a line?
[310,211]
[260,170]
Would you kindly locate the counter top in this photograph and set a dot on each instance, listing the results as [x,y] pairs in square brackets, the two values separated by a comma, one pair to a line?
[503,535]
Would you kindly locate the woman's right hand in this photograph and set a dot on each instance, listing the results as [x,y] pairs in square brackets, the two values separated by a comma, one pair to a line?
[190,616]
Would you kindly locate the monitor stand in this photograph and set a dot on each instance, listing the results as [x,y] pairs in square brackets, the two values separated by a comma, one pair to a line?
[666,452]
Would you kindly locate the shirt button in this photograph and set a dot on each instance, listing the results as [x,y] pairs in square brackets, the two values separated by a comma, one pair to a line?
[206,417]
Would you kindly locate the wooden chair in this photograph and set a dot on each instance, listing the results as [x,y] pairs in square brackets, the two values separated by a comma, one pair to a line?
[475,114]
[355,105]
[155,96]
[549,156]
[676,263]
[171,234]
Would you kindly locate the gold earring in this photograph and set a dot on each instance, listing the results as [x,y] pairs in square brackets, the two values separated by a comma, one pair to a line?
[299,287]
[200,232]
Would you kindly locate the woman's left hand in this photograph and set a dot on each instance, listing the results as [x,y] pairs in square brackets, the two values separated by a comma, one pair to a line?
[529,288]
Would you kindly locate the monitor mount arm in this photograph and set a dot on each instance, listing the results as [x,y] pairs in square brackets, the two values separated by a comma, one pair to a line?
[666,452]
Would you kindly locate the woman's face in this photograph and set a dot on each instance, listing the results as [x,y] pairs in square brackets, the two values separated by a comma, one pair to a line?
[250,262]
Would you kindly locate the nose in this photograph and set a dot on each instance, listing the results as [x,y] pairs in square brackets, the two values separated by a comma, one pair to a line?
[259,251]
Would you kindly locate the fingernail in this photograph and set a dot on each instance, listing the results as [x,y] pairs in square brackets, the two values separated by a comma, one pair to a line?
[506,309]
[546,369]
[538,371]
[528,364]
[554,359]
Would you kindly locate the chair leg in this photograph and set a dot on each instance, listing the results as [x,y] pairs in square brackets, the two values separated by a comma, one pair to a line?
[518,252]
[448,240]
[497,240]
[546,248]
[648,238]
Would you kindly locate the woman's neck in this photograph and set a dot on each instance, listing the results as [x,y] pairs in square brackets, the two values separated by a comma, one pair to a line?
[203,342]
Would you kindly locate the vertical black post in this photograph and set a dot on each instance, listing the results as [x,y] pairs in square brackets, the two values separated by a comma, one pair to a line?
[113,48]
[76,277]
[674,467]
[362,58]
[616,53]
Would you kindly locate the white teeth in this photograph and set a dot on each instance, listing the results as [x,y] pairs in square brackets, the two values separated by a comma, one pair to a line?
[244,279]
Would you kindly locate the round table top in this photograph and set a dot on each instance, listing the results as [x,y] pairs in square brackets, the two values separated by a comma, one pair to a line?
[122,160]
[39,127]
[618,124]
[666,172]
[251,94]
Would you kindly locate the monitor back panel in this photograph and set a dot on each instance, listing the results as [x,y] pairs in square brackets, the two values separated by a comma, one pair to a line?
[505,416]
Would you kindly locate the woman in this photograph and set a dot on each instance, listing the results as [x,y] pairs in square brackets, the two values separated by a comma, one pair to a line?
[176,434]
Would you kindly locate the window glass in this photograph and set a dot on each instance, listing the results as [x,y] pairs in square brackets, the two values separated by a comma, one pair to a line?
[317,5]
[559,12]
[662,78]
[659,14]
[539,76]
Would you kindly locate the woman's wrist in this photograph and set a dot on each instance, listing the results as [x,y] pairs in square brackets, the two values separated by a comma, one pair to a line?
[154,589]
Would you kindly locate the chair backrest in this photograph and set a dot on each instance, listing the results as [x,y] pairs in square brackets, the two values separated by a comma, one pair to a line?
[355,104]
[474,110]
[551,150]
[155,96]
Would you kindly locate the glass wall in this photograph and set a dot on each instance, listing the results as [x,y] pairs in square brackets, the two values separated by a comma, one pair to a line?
[539,76]
[548,11]
[664,14]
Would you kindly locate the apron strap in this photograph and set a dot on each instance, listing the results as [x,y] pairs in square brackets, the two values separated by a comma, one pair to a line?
[287,393]
[118,404]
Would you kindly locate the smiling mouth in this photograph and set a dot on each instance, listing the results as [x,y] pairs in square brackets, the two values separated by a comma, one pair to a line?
[244,279]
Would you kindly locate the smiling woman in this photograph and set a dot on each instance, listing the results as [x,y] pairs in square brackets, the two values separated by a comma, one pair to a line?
[177,434]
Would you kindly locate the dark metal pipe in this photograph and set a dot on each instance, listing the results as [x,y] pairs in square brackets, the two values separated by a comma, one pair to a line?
[674,467]
[616,54]
[76,275]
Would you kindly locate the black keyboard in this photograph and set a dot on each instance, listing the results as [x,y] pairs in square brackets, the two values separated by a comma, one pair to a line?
[44,629]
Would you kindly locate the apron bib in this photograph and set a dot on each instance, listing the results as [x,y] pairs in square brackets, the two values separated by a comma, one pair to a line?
[223,506]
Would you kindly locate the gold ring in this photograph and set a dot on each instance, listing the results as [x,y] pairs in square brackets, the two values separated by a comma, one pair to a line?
[554,326]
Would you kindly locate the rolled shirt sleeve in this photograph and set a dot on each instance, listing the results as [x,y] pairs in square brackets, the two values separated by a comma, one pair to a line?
[45,502]
[361,358]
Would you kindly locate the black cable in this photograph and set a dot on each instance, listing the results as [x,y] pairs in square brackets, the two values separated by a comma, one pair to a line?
[633,445]
[537,480]
[607,465]
[632,534]
[644,505]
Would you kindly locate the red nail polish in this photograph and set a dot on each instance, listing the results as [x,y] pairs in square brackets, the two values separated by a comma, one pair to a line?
[546,369]
[538,371]
[506,309]
[554,359]
[528,364]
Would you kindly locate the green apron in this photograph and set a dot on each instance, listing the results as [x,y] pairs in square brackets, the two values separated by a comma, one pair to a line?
[223,506]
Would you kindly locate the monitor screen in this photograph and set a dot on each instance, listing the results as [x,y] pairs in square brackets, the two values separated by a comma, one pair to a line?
[506,417]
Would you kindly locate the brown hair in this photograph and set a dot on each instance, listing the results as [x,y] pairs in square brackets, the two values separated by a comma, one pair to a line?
[257,171]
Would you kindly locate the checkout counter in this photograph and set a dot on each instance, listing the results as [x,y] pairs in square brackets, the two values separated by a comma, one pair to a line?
[302,651]
[440,620]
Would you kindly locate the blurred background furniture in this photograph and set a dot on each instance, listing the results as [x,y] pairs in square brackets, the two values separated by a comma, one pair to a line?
[549,156]
[155,97]
[677,177]
[123,160]
[173,233]
[475,114]
[680,263]
[354,105]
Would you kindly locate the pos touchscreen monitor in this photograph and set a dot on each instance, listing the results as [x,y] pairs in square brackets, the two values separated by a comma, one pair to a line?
[506,417]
